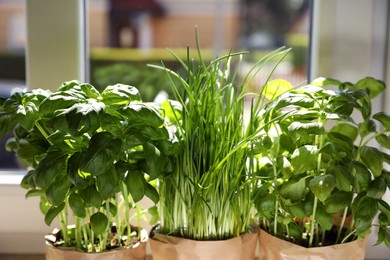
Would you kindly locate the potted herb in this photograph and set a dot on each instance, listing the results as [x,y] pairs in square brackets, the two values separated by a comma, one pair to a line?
[205,206]
[321,170]
[90,158]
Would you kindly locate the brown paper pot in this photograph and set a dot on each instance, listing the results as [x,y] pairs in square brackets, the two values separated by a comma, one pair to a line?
[135,253]
[274,248]
[173,248]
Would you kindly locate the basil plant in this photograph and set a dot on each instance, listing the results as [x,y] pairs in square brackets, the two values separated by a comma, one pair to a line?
[321,163]
[91,157]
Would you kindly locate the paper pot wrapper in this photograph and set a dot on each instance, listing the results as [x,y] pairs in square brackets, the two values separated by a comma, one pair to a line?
[274,248]
[174,248]
[57,253]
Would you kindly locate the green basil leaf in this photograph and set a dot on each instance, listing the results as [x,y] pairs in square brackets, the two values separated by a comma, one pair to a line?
[91,196]
[384,119]
[151,193]
[275,88]
[321,81]
[107,183]
[34,193]
[53,212]
[120,94]
[371,86]
[99,223]
[28,180]
[304,159]
[324,218]
[365,211]
[89,90]
[293,191]
[312,128]
[80,180]
[344,179]
[383,140]
[296,210]
[372,158]
[57,191]
[138,113]
[363,176]
[347,130]
[135,183]
[377,188]
[52,165]
[322,186]
[338,201]
[101,153]
[266,206]
[77,205]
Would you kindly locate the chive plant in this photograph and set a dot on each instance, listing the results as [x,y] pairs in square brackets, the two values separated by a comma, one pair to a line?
[208,196]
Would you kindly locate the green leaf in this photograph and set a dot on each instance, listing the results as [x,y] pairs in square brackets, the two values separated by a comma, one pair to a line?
[99,223]
[347,130]
[324,218]
[154,217]
[344,179]
[384,119]
[377,188]
[83,118]
[120,94]
[52,165]
[107,183]
[312,128]
[80,180]
[383,140]
[34,193]
[321,81]
[89,91]
[151,193]
[138,113]
[372,86]
[77,205]
[293,191]
[322,186]
[296,210]
[101,153]
[383,236]
[275,88]
[91,196]
[135,183]
[304,159]
[53,212]
[28,180]
[265,205]
[172,109]
[372,158]
[338,201]
[363,176]
[366,127]
[365,210]
[57,191]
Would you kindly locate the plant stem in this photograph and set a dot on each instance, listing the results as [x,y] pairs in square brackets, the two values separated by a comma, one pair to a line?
[313,222]
[342,225]
[64,226]
[78,233]
[139,215]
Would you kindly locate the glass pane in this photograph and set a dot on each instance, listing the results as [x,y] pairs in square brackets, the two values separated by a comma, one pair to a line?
[12,62]
[127,35]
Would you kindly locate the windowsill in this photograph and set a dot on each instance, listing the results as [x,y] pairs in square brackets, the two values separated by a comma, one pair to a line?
[11,176]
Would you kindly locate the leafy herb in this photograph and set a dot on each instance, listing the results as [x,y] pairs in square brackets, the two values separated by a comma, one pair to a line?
[329,165]
[86,151]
